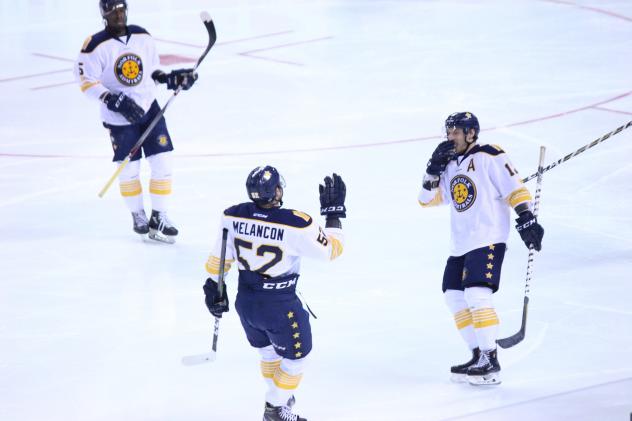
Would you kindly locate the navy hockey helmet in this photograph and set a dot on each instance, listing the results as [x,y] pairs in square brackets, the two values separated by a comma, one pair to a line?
[463,120]
[262,183]
[108,6]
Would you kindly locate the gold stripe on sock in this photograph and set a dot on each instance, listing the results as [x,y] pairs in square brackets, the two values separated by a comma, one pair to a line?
[286,381]
[130,188]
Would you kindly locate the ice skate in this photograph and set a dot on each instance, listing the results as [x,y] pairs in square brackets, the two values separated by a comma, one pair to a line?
[161,229]
[141,224]
[459,372]
[486,371]
[280,413]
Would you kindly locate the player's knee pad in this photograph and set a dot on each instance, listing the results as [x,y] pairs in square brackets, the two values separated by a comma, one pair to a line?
[160,165]
[130,172]
[455,300]
[268,353]
[479,297]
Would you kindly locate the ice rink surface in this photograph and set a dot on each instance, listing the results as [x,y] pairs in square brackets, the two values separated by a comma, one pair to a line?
[93,321]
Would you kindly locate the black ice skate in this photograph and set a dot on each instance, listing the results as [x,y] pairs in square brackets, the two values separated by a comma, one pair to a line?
[161,229]
[280,413]
[459,371]
[486,371]
[141,225]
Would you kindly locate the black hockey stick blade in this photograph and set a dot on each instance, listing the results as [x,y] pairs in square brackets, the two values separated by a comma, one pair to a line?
[212,35]
[516,338]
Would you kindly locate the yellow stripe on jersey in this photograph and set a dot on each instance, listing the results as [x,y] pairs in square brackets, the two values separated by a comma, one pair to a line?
[336,247]
[160,186]
[519,196]
[268,368]
[484,317]
[463,318]
[212,265]
[286,381]
[437,200]
[130,188]
[87,85]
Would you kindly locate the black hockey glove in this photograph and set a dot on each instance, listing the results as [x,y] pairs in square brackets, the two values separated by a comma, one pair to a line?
[216,304]
[530,231]
[442,155]
[184,78]
[121,103]
[332,197]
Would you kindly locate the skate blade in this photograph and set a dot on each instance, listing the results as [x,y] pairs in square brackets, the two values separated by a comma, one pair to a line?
[158,236]
[458,378]
[485,380]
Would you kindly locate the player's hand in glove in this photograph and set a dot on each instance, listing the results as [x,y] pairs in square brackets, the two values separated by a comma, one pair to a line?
[184,78]
[530,231]
[216,304]
[442,155]
[121,103]
[332,197]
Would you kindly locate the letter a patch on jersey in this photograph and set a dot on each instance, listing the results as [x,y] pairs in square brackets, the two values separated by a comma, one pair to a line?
[470,166]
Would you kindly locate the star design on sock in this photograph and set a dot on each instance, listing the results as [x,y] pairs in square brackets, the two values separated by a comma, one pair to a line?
[290,315]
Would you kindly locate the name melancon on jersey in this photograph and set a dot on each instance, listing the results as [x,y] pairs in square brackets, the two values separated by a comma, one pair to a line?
[256,230]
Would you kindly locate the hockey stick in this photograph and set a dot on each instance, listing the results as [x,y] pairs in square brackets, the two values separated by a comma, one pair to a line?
[211,356]
[580,150]
[516,338]
[212,37]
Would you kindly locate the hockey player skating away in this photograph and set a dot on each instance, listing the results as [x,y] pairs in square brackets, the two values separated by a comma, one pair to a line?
[118,68]
[268,242]
[482,186]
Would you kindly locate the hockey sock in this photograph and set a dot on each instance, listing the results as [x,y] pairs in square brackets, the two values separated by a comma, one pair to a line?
[285,381]
[462,316]
[160,183]
[484,316]
[270,362]
[130,186]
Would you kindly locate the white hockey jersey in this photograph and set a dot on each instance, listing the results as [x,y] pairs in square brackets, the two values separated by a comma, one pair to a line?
[272,241]
[482,186]
[125,64]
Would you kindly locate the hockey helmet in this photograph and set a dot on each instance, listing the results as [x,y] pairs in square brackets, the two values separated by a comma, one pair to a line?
[463,120]
[262,183]
[108,6]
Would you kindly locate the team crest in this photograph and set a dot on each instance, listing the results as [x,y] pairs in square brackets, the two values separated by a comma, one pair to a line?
[463,192]
[162,140]
[129,69]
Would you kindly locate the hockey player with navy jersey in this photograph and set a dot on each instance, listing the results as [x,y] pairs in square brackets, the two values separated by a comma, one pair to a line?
[119,68]
[267,243]
[482,186]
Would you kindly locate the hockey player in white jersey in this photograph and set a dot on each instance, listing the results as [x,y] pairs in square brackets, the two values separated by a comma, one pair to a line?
[267,243]
[482,186]
[119,68]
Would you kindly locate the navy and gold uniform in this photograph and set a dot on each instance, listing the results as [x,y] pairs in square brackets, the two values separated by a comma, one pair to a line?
[115,67]
[267,245]
[481,186]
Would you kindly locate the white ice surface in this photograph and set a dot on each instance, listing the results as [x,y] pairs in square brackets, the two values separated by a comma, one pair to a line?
[94,322]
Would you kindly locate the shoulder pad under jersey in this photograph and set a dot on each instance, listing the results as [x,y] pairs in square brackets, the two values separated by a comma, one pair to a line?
[491,149]
[289,217]
[135,29]
[93,41]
